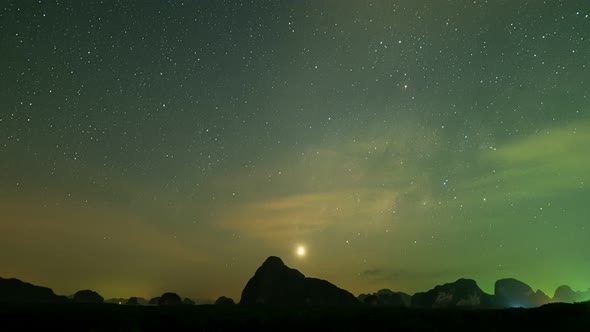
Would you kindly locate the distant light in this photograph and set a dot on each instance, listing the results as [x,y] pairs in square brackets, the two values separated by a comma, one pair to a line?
[300,251]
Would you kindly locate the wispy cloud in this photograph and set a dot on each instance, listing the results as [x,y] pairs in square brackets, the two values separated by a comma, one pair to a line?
[279,220]
[392,276]
[544,164]
[345,185]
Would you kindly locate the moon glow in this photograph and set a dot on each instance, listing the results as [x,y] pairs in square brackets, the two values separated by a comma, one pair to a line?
[301,251]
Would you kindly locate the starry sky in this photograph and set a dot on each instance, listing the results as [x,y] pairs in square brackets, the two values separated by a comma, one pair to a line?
[151,146]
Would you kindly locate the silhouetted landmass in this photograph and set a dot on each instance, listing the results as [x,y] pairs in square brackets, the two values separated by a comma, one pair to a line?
[87,296]
[16,291]
[515,293]
[188,301]
[132,301]
[565,294]
[204,301]
[386,297]
[118,300]
[222,300]
[135,301]
[169,299]
[305,304]
[461,293]
[276,284]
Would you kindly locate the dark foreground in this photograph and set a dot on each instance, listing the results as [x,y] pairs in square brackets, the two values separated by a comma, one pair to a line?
[110,317]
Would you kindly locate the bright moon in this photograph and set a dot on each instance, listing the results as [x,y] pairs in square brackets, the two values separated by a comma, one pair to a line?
[301,251]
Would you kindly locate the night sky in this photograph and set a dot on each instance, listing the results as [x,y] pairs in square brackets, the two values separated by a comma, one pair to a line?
[151,146]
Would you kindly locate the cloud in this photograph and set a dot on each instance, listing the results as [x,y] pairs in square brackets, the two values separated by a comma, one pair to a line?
[343,186]
[395,275]
[544,164]
[277,221]
[370,273]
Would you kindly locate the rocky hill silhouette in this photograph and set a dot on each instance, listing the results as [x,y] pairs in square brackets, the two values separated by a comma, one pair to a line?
[566,294]
[386,297]
[187,301]
[136,301]
[87,296]
[169,299]
[117,300]
[510,292]
[276,284]
[222,300]
[16,291]
[461,293]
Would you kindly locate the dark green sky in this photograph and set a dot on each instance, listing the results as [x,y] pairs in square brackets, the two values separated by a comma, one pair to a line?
[150,146]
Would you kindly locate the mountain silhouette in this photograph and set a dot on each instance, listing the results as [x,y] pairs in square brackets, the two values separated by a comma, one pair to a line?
[274,283]
[14,291]
[132,301]
[87,296]
[169,299]
[461,293]
[277,284]
[510,292]
[188,301]
[222,300]
[565,294]
[117,300]
[386,297]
